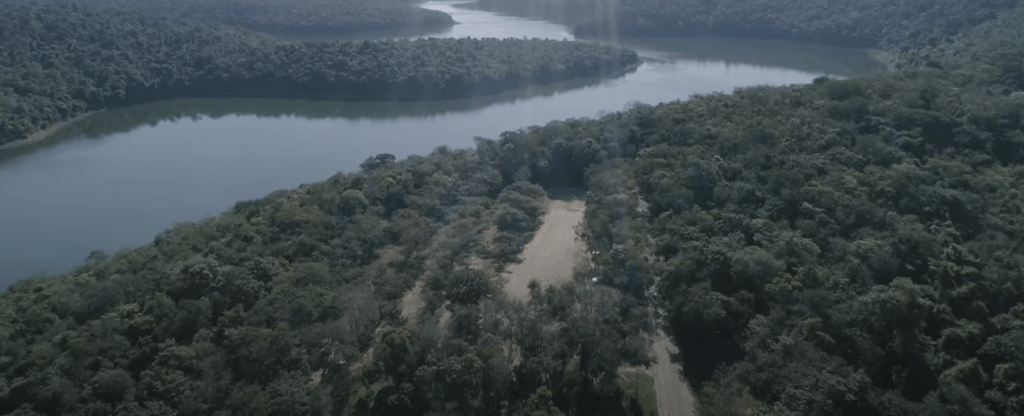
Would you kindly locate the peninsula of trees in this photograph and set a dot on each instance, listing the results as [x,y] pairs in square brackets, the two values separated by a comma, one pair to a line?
[321,18]
[884,24]
[61,62]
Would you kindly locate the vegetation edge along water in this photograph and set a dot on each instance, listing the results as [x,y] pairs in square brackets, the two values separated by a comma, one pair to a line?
[887,25]
[63,62]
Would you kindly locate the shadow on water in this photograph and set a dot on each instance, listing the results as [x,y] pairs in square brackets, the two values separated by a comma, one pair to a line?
[805,57]
[122,120]
[368,35]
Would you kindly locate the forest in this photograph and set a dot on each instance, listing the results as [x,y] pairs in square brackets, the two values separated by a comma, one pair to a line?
[323,18]
[289,305]
[847,247]
[62,62]
[882,24]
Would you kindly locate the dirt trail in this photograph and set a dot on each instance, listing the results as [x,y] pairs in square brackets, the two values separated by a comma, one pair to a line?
[413,302]
[674,396]
[552,254]
[550,258]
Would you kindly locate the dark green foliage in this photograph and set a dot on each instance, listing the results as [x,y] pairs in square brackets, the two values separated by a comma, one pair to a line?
[260,311]
[60,63]
[558,354]
[845,247]
[291,17]
[861,23]
[988,57]
[848,247]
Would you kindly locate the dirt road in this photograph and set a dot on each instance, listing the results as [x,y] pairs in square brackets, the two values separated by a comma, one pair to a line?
[552,254]
[550,259]
[674,397]
[413,302]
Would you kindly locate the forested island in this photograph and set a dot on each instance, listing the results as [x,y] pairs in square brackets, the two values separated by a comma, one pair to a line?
[62,62]
[859,23]
[322,18]
[844,247]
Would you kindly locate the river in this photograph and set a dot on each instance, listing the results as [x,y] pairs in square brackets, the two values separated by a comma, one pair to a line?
[116,179]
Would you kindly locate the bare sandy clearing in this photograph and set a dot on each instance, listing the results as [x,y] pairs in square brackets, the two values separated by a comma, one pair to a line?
[551,257]
[552,254]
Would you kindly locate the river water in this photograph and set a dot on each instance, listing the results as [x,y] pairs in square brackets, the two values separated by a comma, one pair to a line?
[116,179]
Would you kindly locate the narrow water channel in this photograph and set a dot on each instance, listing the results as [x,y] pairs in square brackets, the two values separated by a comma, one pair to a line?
[118,178]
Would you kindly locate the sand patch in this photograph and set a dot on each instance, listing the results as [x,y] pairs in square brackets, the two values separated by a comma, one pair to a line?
[552,254]
[413,302]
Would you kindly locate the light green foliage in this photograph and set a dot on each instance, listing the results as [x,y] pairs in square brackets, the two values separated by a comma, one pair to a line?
[540,404]
[640,397]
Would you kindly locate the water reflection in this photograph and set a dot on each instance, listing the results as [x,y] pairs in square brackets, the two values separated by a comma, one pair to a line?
[474,24]
[116,179]
[767,53]
[124,120]
[808,57]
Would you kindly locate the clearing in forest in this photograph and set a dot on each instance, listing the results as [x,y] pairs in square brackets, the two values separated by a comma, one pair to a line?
[552,254]
[550,259]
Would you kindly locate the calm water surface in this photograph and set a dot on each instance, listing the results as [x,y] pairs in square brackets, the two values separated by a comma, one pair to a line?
[117,179]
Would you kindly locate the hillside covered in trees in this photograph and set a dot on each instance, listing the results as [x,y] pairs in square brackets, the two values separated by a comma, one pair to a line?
[280,17]
[60,63]
[858,23]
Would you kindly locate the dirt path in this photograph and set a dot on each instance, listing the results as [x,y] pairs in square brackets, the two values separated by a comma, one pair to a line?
[552,254]
[413,303]
[674,396]
[550,258]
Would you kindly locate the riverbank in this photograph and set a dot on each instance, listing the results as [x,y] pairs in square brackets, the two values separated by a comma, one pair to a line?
[46,133]
[856,24]
[252,65]
[431,105]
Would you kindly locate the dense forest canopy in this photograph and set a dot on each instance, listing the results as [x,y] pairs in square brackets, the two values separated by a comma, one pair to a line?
[859,23]
[987,57]
[289,305]
[280,17]
[61,62]
[847,247]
